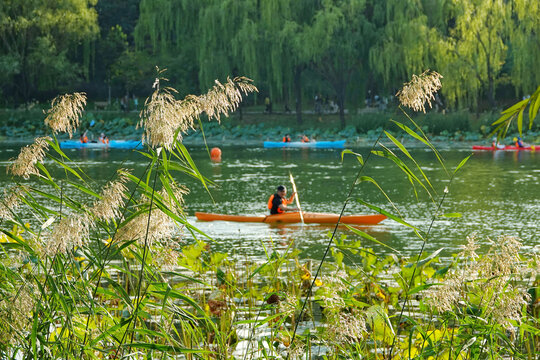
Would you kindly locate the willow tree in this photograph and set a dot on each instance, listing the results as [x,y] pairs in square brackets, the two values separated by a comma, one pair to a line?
[40,43]
[282,43]
[337,43]
[167,33]
[473,52]
[525,40]
[402,47]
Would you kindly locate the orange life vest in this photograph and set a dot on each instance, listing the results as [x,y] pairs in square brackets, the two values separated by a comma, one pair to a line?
[84,139]
[286,139]
[271,204]
[305,139]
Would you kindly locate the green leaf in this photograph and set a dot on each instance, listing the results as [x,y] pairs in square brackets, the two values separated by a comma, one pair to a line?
[514,108]
[533,109]
[406,152]
[387,214]
[358,156]
[369,237]
[463,162]
[520,122]
[421,288]
[451,215]
[425,260]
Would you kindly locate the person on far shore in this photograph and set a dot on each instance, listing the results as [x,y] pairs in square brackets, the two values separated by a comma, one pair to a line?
[277,203]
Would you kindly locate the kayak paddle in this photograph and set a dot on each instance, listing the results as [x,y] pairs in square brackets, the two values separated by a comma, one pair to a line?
[296,197]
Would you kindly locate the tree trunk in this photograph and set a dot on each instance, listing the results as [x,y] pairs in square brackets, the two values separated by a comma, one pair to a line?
[298,93]
[341,103]
[491,85]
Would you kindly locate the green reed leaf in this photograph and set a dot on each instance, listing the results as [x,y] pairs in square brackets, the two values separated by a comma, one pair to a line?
[387,214]
[421,288]
[66,167]
[520,122]
[110,332]
[370,238]
[534,107]
[165,348]
[406,152]
[504,118]
[424,139]
[84,189]
[389,154]
[358,156]
[463,162]
[451,215]
[371,180]
[425,260]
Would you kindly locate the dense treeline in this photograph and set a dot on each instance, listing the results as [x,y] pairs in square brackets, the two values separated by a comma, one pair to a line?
[343,50]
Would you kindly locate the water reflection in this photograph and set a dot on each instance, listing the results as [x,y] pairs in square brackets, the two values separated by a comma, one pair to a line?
[496,193]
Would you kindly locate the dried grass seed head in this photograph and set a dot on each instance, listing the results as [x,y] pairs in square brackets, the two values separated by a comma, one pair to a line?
[11,200]
[346,328]
[25,164]
[163,116]
[65,112]
[112,198]
[419,90]
[73,230]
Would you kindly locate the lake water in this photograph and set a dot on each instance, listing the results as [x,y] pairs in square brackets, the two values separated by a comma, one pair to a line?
[495,193]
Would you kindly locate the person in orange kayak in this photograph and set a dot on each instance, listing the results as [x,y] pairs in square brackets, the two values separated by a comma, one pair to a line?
[277,203]
[287,138]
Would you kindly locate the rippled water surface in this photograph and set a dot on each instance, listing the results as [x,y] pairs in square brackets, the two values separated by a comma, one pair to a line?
[495,193]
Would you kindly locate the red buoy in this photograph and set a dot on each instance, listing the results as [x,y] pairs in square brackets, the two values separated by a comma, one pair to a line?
[215,154]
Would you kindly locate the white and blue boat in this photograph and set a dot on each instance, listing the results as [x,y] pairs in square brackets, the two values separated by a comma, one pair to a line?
[338,144]
[113,144]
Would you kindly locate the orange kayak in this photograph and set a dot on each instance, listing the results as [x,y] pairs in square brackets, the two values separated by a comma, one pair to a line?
[294,217]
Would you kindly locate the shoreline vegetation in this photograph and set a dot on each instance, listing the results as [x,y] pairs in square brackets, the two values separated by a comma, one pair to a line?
[252,126]
[103,272]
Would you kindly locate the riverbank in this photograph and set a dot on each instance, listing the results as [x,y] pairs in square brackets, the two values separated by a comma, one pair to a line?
[252,127]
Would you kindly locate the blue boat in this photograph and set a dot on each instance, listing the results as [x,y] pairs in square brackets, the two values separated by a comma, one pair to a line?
[113,144]
[338,144]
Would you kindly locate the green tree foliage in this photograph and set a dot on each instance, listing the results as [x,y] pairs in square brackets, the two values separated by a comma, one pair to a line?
[401,48]
[525,45]
[472,53]
[291,49]
[45,44]
[337,42]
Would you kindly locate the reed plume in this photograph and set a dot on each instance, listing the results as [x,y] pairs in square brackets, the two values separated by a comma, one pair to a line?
[165,119]
[419,90]
[490,276]
[15,314]
[112,198]
[11,200]
[65,112]
[25,164]
[72,231]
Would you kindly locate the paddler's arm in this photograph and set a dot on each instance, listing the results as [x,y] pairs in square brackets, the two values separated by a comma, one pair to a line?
[291,199]
[288,208]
